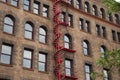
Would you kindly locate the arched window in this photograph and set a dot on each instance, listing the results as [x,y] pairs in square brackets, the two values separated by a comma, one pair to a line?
[86,47]
[102,50]
[102,13]
[110,18]
[94,10]
[78,4]
[67,41]
[42,34]
[117,19]
[87,7]
[28,30]
[8,24]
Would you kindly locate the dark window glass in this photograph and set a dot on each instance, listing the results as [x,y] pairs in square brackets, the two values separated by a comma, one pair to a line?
[14,2]
[70,20]
[45,10]
[67,42]
[117,19]
[88,72]
[87,26]
[102,50]
[94,10]
[68,67]
[26,4]
[28,31]
[110,17]
[105,74]
[118,35]
[86,7]
[36,7]
[113,35]
[42,35]
[86,47]
[42,62]
[102,13]
[98,29]
[8,25]
[81,24]
[62,17]
[103,32]
[6,54]
[27,58]
[78,4]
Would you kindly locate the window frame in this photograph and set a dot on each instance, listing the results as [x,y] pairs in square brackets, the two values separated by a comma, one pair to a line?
[90,70]
[40,34]
[69,68]
[45,63]
[98,30]
[63,17]
[45,11]
[103,31]
[14,1]
[102,13]
[114,35]
[69,43]
[26,5]
[86,47]
[26,30]
[106,77]
[87,26]
[94,10]
[81,24]
[5,54]
[36,9]
[86,7]
[70,20]
[78,4]
[31,59]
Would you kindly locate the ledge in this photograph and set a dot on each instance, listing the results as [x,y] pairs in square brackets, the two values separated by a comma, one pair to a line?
[69,50]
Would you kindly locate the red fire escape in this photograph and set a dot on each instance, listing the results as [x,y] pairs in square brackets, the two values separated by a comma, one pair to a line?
[58,48]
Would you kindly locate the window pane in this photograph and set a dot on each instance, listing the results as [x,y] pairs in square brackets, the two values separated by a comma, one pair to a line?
[5,59]
[66,45]
[26,4]
[8,29]
[42,31]
[88,77]
[42,57]
[45,11]
[36,7]
[6,49]
[68,72]
[35,11]
[28,27]
[28,35]
[66,39]
[14,2]
[26,63]
[42,38]
[41,66]
[27,54]
[67,63]
[85,51]
[8,21]
[87,68]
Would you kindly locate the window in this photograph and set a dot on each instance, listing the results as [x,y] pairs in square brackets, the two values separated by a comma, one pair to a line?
[110,17]
[27,5]
[3,0]
[68,67]
[118,35]
[28,31]
[87,26]
[45,10]
[98,29]
[8,24]
[78,4]
[81,24]
[14,2]
[114,35]
[88,70]
[70,1]
[103,32]
[102,50]
[42,62]
[67,41]
[36,7]
[117,19]
[27,58]
[86,7]
[6,54]
[105,74]
[42,35]
[86,47]
[94,10]
[102,13]
[70,20]
[62,17]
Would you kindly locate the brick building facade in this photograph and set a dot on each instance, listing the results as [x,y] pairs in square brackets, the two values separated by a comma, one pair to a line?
[26,39]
